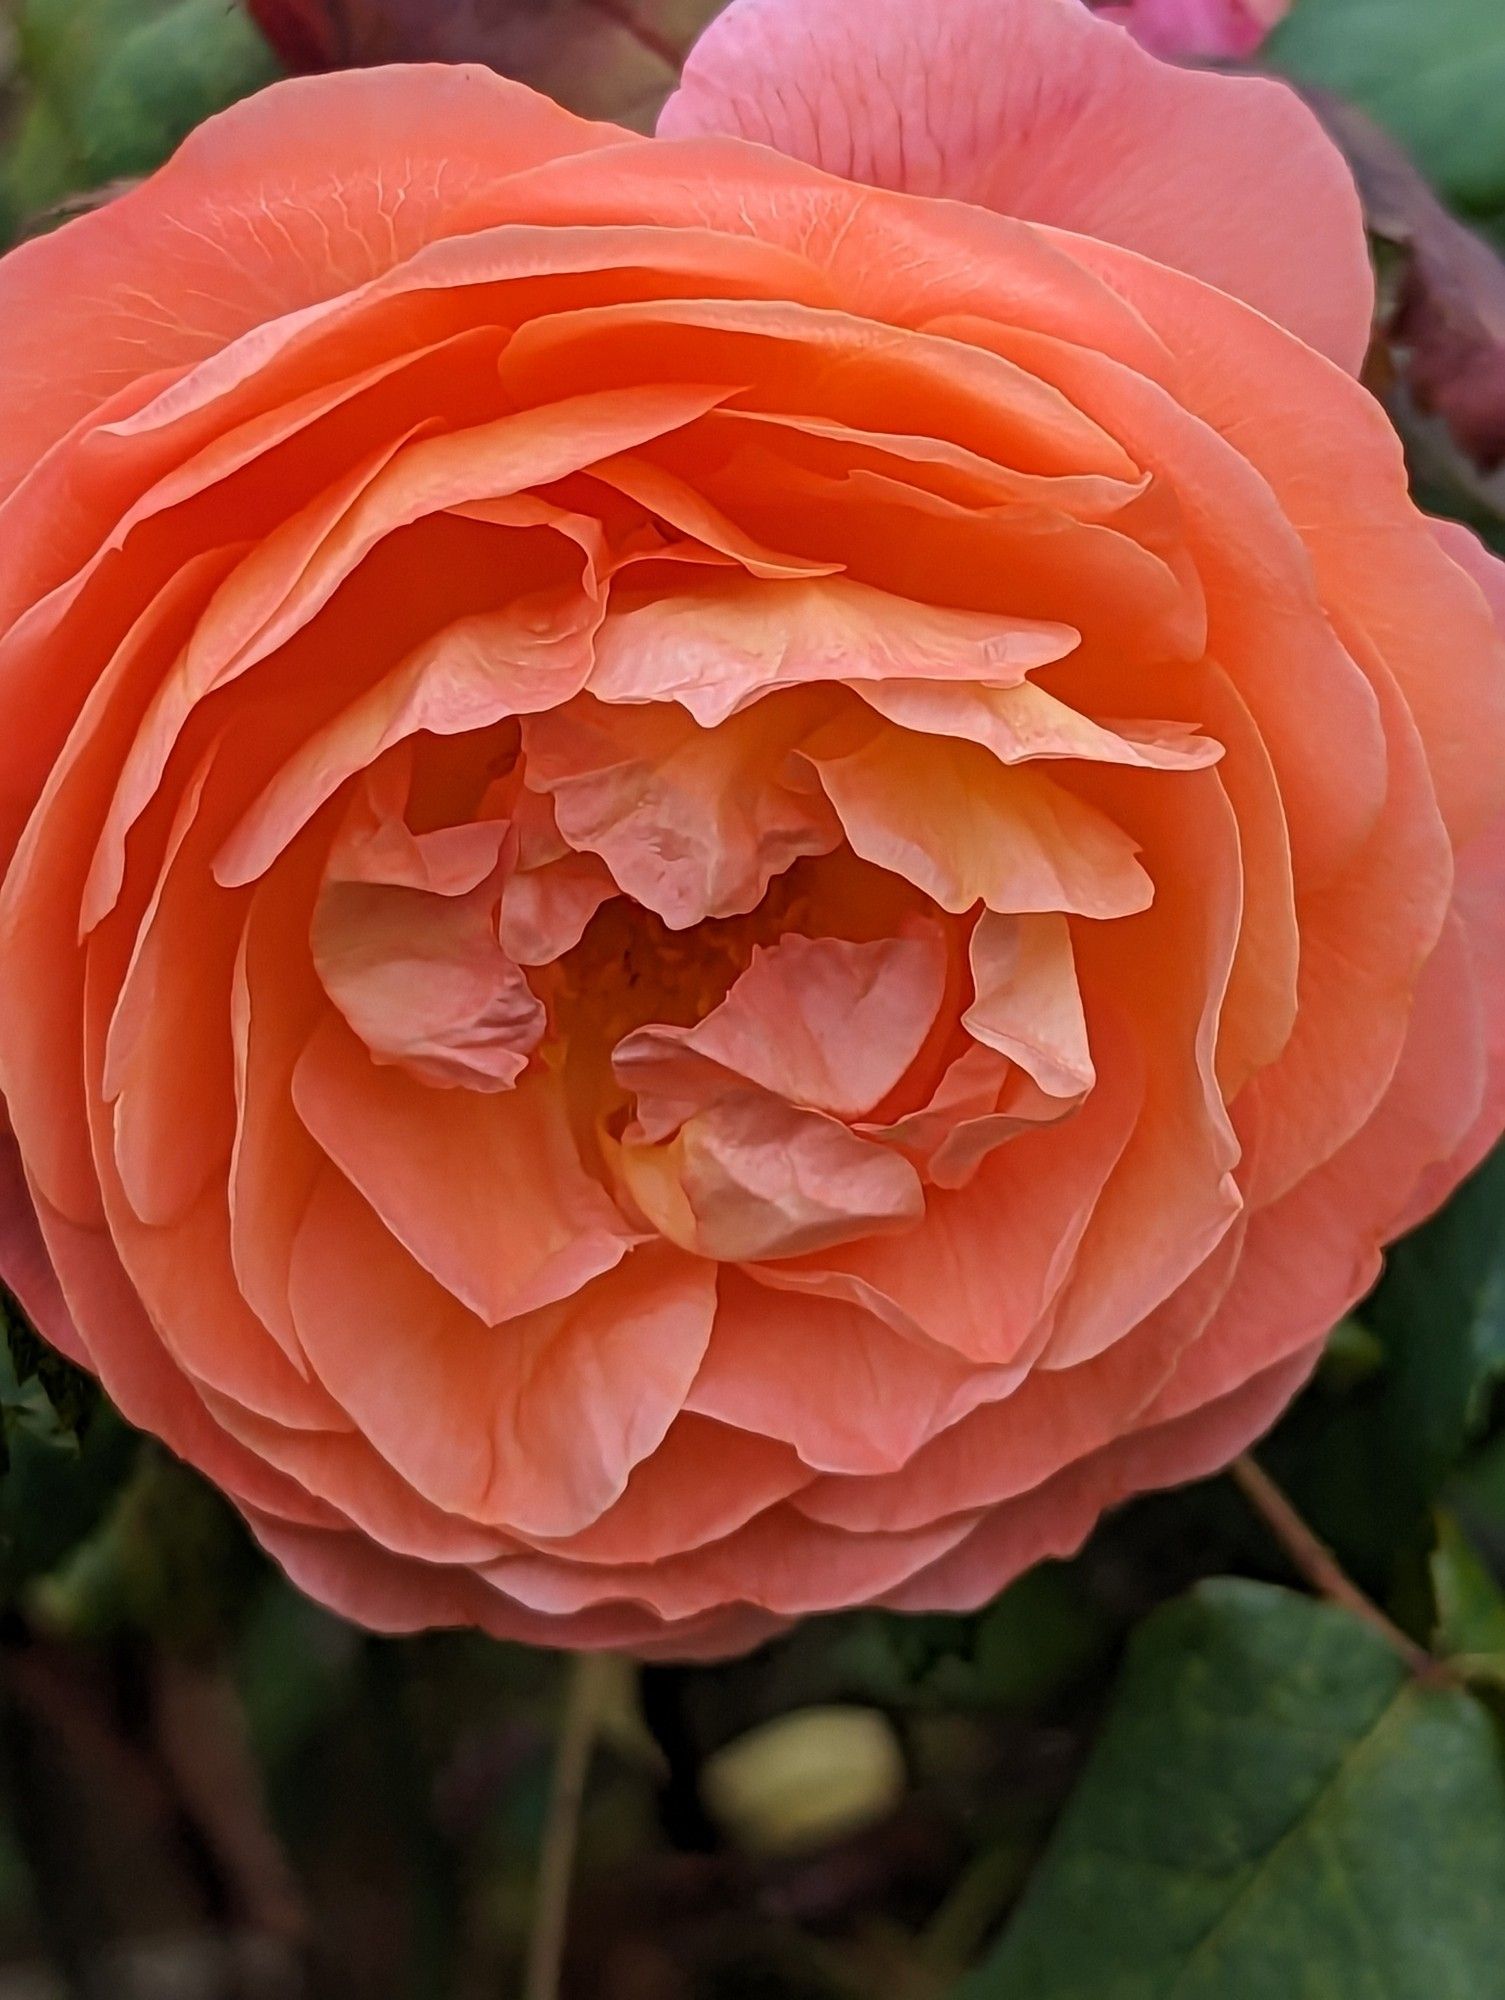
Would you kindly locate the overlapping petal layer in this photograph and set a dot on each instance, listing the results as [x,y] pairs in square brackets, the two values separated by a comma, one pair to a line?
[728,890]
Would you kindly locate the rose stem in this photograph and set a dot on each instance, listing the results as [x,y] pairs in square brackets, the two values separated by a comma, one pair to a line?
[588,1677]
[1317,1563]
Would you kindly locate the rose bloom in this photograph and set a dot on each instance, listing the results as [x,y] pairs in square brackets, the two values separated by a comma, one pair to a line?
[743,867]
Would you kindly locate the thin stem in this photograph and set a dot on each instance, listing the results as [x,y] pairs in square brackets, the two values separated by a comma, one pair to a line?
[588,1677]
[1317,1563]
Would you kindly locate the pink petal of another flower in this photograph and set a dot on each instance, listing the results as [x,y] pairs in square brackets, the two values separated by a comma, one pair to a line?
[1042,110]
[1219,29]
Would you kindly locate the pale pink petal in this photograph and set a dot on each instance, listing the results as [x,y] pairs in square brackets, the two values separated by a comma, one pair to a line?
[1220,29]
[1041,110]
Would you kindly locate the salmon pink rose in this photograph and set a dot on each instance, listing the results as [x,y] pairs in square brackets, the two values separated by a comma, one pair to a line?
[743,867]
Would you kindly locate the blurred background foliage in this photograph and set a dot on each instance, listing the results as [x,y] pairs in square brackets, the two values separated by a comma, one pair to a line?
[1164,1768]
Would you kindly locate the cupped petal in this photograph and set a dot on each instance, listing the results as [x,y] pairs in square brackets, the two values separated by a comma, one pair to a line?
[1021,723]
[982,1273]
[405,942]
[1033,1427]
[706,1480]
[388,1593]
[822,1022]
[486,1191]
[535,1426]
[716,648]
[1036,108]
[1057,1518]
[964,829]
[1027,1004]
[692,821]
[1330,456]
[830,1378]
[25,1266]
[753,1176]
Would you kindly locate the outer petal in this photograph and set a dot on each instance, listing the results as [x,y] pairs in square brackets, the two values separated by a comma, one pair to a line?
[1037,108]
[301,192]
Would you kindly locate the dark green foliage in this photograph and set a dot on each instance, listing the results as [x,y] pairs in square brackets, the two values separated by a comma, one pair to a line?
[1275,1810]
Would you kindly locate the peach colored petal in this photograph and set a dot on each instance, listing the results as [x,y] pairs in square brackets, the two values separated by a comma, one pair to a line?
[24,1263]
[1057,1519]
[1028,1005]
[527,655]
[413,961]
[692,822]
[1020,723]
[41,1031]
[716,649]
[822,1022]
[882,1396]
[1332,459]
[485,1190]
[753,1176]
[387,1594]
[535,1428]
[1253,605]
[289,577]
[704,1482]
[838,363]
[1017,105]
[286,199]
[949,819]
[141,1378]
[547,908]
[769,1564]
[1021,1439]
[982,1272]
[1172,1196]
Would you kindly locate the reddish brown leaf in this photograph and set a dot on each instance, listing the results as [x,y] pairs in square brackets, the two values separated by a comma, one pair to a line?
[603,58]
[304,33]
[1445,315]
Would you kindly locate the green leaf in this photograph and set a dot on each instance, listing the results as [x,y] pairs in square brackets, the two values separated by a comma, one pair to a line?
[1035,1641]
[1470,1607]
[1366,1464]
[110,87]
[1431,71]
[1440,1313]
[169,1558]
[1275,1811]
[40,1392]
